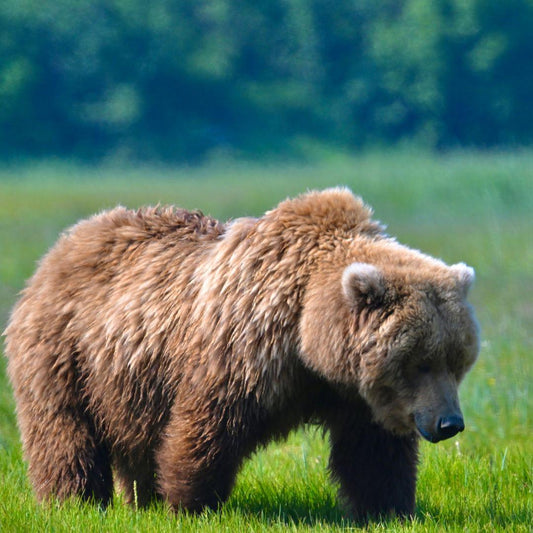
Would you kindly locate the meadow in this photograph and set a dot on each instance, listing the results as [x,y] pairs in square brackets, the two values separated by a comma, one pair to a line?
[469,207]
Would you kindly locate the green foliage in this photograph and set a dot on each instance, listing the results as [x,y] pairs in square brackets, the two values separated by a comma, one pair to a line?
[181,80]
[462,207]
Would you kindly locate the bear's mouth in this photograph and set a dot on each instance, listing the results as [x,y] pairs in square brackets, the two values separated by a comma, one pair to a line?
[430,438]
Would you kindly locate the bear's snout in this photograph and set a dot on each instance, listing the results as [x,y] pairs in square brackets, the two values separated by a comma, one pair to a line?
[445,428]
[449,426]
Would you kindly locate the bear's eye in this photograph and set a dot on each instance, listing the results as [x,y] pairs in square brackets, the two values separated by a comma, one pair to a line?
[424,368]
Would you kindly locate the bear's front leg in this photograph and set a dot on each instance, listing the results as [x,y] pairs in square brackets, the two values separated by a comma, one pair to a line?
[197,461]
[376,469]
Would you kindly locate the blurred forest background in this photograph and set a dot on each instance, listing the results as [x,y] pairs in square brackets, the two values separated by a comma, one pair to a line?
[181,80]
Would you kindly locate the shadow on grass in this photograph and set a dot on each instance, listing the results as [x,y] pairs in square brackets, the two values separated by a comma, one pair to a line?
[289,512]
[292,509]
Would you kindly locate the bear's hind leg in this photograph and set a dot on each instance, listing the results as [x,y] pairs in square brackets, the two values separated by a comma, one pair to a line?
[65,457]
[197,462]
[136,479]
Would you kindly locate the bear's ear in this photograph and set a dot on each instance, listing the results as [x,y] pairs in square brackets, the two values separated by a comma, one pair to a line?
[363,285]
[465,276]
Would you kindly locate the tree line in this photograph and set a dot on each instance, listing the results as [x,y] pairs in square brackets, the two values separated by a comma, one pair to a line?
[178,79]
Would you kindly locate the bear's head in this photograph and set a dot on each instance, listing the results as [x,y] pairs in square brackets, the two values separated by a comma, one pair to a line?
[400,335]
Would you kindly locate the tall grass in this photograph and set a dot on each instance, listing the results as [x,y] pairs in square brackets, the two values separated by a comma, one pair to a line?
[461,207]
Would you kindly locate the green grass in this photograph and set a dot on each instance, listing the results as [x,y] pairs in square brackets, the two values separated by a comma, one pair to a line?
[461,207]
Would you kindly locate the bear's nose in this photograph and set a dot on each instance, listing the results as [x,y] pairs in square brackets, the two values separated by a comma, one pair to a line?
[449,426]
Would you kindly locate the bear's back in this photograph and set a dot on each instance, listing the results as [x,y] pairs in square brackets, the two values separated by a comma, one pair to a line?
[147,223]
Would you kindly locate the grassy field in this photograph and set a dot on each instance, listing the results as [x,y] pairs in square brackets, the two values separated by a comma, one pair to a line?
[461,207]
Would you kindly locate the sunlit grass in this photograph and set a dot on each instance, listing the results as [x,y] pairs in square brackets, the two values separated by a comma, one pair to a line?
[461,207]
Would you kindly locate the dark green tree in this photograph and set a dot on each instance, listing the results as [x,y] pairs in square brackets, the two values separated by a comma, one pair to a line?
[178,79]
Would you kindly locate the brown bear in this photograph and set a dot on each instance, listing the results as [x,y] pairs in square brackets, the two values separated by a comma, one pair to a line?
[158,348]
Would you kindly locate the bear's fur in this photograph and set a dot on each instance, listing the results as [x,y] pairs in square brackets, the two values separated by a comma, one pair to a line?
[159,348]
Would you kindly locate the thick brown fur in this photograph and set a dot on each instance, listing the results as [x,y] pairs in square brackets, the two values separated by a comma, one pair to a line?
[159,348]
